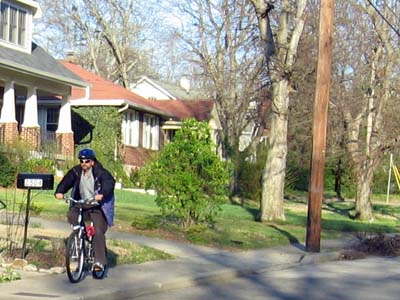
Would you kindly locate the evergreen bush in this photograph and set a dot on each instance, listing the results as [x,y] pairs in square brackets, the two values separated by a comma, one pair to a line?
[190,179]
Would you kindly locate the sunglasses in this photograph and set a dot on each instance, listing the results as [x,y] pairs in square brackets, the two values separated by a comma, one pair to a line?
[85,161]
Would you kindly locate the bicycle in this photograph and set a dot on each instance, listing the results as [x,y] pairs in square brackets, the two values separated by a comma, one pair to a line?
[79,252]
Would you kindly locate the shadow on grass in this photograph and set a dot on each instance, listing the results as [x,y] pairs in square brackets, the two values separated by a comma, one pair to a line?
[112,258]
[341,211]
[356,226]
[254,211]
[393,211]
[342,223]
[292,239]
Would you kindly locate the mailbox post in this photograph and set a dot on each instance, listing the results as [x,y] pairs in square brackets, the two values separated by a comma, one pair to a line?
[29,181]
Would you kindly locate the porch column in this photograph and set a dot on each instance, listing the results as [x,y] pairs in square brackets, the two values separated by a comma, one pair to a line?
[64,133]
[8,122]
[30,132]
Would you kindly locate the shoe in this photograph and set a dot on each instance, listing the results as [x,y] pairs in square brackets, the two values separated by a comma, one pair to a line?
[98,267]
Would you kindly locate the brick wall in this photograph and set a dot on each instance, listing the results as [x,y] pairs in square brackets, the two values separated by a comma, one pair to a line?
[135,156]
[65,144]
[31,135]
[9,132]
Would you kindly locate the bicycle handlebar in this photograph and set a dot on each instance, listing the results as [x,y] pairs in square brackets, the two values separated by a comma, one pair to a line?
[82,201]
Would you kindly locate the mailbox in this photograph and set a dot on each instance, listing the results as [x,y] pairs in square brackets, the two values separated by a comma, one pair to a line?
[38,181]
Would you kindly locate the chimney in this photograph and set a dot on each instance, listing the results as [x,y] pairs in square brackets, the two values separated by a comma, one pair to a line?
[71,57]
[185,84]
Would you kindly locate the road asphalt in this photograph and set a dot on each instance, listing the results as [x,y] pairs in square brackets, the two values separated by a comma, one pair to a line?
[193,265]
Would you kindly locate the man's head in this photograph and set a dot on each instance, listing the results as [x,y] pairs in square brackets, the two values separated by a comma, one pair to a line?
[87,158]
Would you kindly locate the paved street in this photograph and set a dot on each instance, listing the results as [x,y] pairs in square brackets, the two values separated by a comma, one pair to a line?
[366,279]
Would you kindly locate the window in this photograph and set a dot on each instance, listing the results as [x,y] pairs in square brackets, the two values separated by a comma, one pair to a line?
[4,21]
[169,135]
[52,119]
[130,128]
[151,132]
[21,28]
[48,122]
[12,37]
[13,23]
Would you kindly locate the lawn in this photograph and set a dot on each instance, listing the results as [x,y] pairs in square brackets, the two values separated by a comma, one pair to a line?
[235,228]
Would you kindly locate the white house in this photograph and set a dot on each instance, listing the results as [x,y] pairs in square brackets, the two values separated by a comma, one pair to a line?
[28,79]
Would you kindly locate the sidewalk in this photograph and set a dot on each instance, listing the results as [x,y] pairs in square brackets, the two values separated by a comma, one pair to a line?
[194,265]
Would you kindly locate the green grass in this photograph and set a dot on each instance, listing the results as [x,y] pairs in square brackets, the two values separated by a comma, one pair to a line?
[235,228]
[9,275]
[123,252]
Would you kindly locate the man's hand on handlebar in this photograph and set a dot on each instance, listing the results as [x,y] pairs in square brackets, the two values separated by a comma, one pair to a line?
[98,197]
[60,196]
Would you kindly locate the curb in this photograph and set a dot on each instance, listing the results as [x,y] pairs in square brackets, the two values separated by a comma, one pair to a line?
[320,257]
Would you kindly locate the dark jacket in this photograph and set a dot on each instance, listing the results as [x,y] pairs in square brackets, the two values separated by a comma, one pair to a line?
[103,184]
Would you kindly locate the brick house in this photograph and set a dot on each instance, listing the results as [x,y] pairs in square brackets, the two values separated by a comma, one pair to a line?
[147,124]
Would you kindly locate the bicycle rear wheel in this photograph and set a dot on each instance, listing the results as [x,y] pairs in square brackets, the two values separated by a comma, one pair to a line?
[74,258]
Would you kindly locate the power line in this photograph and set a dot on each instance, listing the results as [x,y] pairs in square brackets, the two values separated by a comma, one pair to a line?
[391,11]
[384,18]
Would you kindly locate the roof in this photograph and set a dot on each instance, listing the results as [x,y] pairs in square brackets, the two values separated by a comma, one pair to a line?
[39,64]
[106,91]
[200,109]
[173,90]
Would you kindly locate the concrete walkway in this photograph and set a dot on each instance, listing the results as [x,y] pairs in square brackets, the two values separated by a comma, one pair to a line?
[194,265]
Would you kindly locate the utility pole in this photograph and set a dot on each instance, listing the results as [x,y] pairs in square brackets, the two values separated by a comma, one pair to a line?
[319,126]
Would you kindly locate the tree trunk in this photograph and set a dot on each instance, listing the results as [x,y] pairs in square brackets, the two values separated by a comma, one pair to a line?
[280,66]
[275,166]
[363,195]
[338,179]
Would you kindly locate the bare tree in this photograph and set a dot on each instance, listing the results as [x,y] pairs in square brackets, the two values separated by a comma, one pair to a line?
[367,78]
[280,66]
[220,38]
[107,35]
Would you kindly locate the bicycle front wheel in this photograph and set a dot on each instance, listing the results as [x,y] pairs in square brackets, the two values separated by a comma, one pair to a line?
[74,258]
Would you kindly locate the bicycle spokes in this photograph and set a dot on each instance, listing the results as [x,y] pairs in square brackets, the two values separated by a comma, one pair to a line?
[74,257]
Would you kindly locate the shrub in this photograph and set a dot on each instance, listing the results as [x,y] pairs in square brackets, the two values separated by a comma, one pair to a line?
[190,180]
[297,174]
[250,173]
[7,171]
[146,222]
[37,165]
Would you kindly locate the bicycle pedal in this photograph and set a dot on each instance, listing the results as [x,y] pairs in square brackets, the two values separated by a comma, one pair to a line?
[98,267]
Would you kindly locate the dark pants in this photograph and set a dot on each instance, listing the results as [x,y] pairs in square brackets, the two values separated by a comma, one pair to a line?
[100,224]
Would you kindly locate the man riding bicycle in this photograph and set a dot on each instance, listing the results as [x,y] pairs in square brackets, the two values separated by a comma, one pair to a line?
[90,180]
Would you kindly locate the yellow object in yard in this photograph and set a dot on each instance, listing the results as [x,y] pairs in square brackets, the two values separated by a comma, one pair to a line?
[396,175]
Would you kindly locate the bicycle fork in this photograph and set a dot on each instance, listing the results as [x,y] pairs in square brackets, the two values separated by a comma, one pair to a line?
[78,240]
